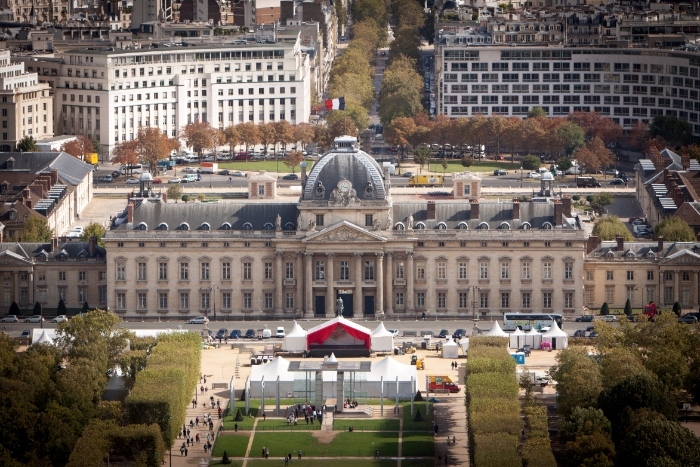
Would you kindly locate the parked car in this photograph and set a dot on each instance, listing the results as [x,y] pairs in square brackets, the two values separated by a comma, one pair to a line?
[59,319]
[116,174]
[609,318]
[175,180]
[199,320]
[157,180]
[250,334]
[534,175]
[688,319]
[407,174]
[25,334]
[459,333]
[34,319]
[10,319]
[132,181]
[394,332]
[393,149]
[280,332]
[584,319]
[225,172]
[443,334]
[579,333]
[617,181]
[107,179]
[498,172]
[235,334]
[290,177]
[221,333]
[237,173]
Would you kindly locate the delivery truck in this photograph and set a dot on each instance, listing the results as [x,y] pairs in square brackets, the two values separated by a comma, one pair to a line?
[208,167]
[91,158]
[425,180]
[442,382]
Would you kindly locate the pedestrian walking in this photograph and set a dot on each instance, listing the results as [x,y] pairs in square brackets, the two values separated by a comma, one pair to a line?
[188,432]
[208,438]
[206,390]
[205,379]
[267,452]
[264,417]
[182,450]
[186,451]
[439,459]
[436,429]
[299,453]
[197,421]
[201,389]
[454,440]
[376,453]
[235,427]
[219,413]
[193,406]
[263,452]
[286,461]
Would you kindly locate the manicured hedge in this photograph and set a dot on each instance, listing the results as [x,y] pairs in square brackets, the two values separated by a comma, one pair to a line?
[537,449]
[142,445]
[164,389]
[497,450]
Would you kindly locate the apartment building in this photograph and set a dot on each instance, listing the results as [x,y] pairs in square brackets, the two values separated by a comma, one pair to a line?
[628,85]
[109,93]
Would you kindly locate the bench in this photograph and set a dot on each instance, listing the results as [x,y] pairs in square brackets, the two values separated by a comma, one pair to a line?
[219,385]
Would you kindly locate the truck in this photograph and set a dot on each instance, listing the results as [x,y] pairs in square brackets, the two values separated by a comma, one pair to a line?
[442,382]
[587,182]
[91,158]
[425,180]
[650,311]
[209,167]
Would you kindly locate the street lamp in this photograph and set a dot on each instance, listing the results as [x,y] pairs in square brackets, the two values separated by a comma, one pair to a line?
[521,177]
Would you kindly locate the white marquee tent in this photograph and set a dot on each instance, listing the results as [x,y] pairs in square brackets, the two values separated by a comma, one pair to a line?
[44,339]
[517,339]
[464,343]
[533,339]
[496,331]
[295,340]
[450,349]
[382,340]
[556,337]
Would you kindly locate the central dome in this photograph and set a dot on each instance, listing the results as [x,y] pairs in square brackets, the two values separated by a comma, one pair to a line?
[360,174]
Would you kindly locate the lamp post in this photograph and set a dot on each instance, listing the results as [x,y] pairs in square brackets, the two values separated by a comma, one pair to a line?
[170,417]
[521,177]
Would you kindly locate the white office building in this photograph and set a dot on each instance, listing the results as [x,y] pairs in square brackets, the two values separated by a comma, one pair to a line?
[628,85]
[109,93]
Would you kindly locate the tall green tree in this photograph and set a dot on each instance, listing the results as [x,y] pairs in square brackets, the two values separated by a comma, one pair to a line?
[36,229]
[27,144]
[609,227]
[94,230]
[536,112]
[659,443]
[571,135]
[531,162]
[406,42]
[400,91]
[672,129]
[578,379]
[674,229]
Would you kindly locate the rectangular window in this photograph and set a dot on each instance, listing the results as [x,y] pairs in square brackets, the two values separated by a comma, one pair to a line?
[462,270]
[651,294]
[142,301]
[163,271]
[568,300]
[610,294]
[247,300]
[369,222]
[630,275]
[289,300]
[369,270]
[589,275]
[505,299]
[547,300]
[226,300]
[420,270]
[526,300]
[400,267]
[289,270]
[630,293]
[568,270]
[320,271]
[399,301]
[247,271]
[205,300]
[204,268]
[226,270]
[650,275]
[184,271]
[609,275]
[463,300]
[668,294]
[121,300]
[526,270]
[267,270]
[163,301]
[102,292]
[483,270]
[184,300]
[82,276]
[483,300]
[269,304]
[442,270]
[546,270]
[420,299]
[441,299]
[121,272]
[319,220]
[505,270]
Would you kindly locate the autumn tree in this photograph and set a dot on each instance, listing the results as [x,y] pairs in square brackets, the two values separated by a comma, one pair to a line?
[478,132]
[356,113]
[594,155]
[532,134]
[342,126]
[399,132]
[407,42]
[232,137]
[174,191]
[609,227]
[441,131]
[304,133]
[322,136]
[369,35]
[400,91]
[639,135]
[249,134]
[199,136]
[597,125]
[512,135]
[293,159]
[284,133]
[79,147]
[152,146]
[268,135]
[124,153]
[409,13]
[374,10]
[497,128]
[674,229]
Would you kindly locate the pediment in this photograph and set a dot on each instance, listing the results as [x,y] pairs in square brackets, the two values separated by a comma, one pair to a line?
[684,257]
[8,258]
[344,232]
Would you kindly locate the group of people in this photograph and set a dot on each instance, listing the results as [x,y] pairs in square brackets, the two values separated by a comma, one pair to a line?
[349,404]
[454,365]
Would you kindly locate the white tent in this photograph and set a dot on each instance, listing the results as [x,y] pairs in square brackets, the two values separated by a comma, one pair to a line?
[556,337]
[496,331]
[533,339]
[44,339]
[464,343]
[517,339]
[382,340]
[295,340]
[450,349]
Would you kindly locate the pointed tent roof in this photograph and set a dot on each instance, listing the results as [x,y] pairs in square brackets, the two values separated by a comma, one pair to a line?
[533,332]
[449,343]
[318,334]
[277,367]
[44,339]
[381,331]
[554,331]
[343,322]
[297,331]
[332,358]
[517,332]
[390,369]
[496,331]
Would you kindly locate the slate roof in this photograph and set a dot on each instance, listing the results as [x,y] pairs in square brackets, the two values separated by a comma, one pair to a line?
[70,169]
[643,249]
[29,251]
[357,167]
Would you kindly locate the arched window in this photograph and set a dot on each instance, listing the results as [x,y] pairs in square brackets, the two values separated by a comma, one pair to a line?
[420,226]
[289,226]
[483,226]
[547,226]
[225,226]
[399,226]
[442,226]
[204,226]
[183,226]
[141,226]
[268,226]
[504,226]
[462,226]
[162,226]
[247,226]
[526,226]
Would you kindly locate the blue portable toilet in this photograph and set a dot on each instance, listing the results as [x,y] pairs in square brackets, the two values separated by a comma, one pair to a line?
[519,357]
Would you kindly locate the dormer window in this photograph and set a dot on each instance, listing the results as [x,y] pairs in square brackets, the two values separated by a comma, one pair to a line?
[4,187]
[12,214]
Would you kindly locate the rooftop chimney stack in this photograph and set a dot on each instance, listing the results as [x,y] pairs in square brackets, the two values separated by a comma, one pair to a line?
[431,211]
[474,209]
[130,212]
[660,244]
[516,209]
[592,243]
[620,242]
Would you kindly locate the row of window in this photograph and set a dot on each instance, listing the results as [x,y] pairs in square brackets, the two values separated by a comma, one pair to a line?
[319,222]
[667,276]
[567,66]
[205,301]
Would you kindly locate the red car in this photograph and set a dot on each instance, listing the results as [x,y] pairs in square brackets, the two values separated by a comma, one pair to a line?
[393,149]
[157,180]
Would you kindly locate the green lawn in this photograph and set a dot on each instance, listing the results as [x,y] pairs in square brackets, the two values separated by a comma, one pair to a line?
[247,423]
[235,445]
[345,444]
[360,424]
[425,425]
[279,462]
[254,166]
[455,165]
[232,464]
[417,444]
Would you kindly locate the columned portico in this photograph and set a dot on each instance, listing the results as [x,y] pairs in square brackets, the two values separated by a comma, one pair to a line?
[330,286]
[357,302]
[299,276]
[279,274]
[379,279]
[388,290]
[409,282]
[308,282]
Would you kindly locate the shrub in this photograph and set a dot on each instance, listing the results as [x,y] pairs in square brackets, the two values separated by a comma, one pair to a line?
[576,197]
[14,309]
[239,416]
[496,451]
[225,459]
[418,417]
[139,444]
[537,452]
[628,308]
[61,308]
[418,396]
[605,309]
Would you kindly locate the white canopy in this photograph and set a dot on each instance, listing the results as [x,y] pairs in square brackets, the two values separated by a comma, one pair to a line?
[381,339]
[517,339]
[556,337]
[464,343]
[295,340]
[44,339]
[496,331]
[533,339]
[390,369]
[450,349]
[270,371]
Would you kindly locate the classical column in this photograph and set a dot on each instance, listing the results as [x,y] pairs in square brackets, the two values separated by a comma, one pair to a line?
[677,288]
[357,301]
[32,301]
[308,281]
[430,296]
[410,308]
[330,287]
[299,276]
[379,299]
[279,274]
[388,276]
[15,277]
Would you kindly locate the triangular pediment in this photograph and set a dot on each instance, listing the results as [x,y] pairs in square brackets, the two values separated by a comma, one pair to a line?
[686,257]
[11,258]
[344,232]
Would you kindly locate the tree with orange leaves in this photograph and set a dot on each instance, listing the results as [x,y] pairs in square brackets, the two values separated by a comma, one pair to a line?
[79,147]
[124,153]
[198,135]
[152,146]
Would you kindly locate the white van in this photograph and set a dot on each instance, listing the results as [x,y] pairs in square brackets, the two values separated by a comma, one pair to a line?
[266,334]
[189,178]
[280,332]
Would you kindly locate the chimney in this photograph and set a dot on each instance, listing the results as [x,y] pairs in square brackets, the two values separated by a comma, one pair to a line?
[558,212]
[130,213]
[54,177]
[678,197]
[516,209]
[474,209]
[620,242]
[54,243]
[592,243]
[26,192]
[566,201]
[660,244]
[431,210]
[92,243]
[28,203]
[685,161]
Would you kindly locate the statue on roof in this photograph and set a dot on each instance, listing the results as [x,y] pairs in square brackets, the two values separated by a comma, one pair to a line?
[278,223]
[339,306]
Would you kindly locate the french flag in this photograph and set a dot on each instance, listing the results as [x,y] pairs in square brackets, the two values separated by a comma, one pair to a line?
[335,104]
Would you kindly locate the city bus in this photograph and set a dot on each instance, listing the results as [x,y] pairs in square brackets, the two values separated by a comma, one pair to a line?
[525,321]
